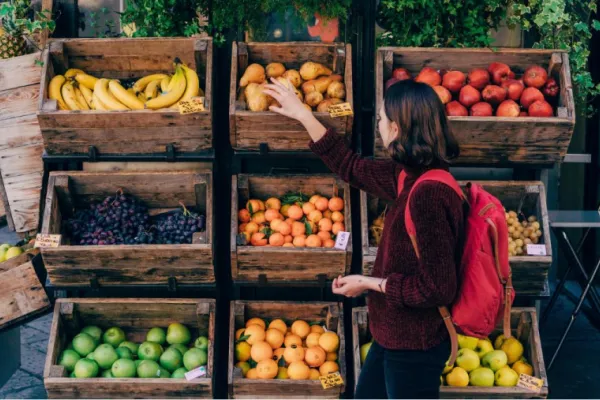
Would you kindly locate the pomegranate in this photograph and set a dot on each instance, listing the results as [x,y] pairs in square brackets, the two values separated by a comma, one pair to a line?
[429,76]
[481,109]
[499,72]
[535,76]
[541,108]
[469,96]
[443,93]
[550,88]
[455,109]
[453,81]
[508,108]
[494,94]
[529,96]
[479,78]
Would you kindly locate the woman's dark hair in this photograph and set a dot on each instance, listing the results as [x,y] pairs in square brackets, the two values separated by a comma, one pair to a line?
[425,138]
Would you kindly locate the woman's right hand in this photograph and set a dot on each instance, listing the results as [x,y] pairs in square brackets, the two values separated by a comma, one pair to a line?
[291,106]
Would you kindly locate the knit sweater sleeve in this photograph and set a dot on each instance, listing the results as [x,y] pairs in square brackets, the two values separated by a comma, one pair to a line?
[437,214]
[376,177]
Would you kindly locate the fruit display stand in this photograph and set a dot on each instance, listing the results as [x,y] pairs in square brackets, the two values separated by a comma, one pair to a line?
[135,317]
[70,265]
[133,132]
[524,324]
[492,140]
[330,315]
[266,130]
[286,265]
[529,273]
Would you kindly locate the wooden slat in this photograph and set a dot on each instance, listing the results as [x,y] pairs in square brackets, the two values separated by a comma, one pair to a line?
[20,71]
[19,102]
[140,166]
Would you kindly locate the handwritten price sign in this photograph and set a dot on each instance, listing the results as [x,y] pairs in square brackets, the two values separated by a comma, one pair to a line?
[332,380]
[530,382]
[191,106]
[340,110]
[45,240]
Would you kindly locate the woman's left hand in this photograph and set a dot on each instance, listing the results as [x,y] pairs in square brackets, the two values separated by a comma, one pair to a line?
[350,286]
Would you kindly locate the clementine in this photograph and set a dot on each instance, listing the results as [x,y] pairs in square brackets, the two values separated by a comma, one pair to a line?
[336,204]
[322,204]
[295,212]
[313,241]
[261,351]
[244,215]
[325,225]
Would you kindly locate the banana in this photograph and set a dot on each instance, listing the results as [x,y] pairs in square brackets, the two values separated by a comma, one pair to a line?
[125,97]
[54,91]
[88,96]
[98,104]
[86,80]
[68,94]
[71,72]
[177,84]
[142,97]
[141,84]
[106,98]
[193,83]
[164,84]
[152,89]
[83,104]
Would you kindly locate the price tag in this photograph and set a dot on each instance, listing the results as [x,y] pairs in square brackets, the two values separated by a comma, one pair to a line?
[195,373]
[341,240]
[194,105]
[340,110]
[45,240]
[536,249]
[530,382]
[332,380]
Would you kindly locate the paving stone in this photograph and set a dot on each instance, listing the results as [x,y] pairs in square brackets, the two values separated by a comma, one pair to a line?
[42,324]
[30,335]
[20,379]
[32,360]
[34,392]
[41,346]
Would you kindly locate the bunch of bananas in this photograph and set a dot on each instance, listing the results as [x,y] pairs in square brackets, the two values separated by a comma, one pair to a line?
[76,90]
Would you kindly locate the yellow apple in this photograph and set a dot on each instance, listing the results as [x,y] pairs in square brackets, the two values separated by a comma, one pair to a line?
[506,376]
[457,377]
[467,359]
[484,346]
[513,349]
[494,360]
[467,342]
[482,377]
[522,367]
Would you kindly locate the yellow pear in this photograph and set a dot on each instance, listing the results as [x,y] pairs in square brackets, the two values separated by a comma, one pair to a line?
[457,377]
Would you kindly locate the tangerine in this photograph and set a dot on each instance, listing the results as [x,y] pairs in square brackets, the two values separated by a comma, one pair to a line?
[278,324]
[327,214]
[292,340]
[242,227]
[293,353]
[258,239]
[261,351]
[336,204]
[314,199]
[295,212]
[288,238]
[322,204]
[337,228]
[332,356]
[337,216]
[267,369]
[307,208]
[276,239]
[329,243]
[325,225]
[284,229]
[300,328]
[298,228]
[272,214]
[278,353]
[299,241]
[315,216]
[274,337]
[256,321]
[275,224]
[242,351]
[298,370]
[273,203]
[314,374]
[239,333]
[261,205]
[259,217]
[255,333]
[313,241]
[244,366]
[316,329]
[328,367]
[313,339]
[252,374]
[324,235]
[284,210]
[329,341]
[253,206]
[251,227]
[289,221]
[315,356]
[244,215]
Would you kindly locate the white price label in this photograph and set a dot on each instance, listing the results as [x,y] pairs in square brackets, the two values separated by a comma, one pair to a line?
[341,240]
[195,373]
[45,240]
[536,249]
[530,382]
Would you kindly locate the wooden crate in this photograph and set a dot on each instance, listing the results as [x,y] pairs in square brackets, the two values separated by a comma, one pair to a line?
[285,264]
[329,314]
[126,132]
[115,265]
[248,129]
[529,273]
[524,324]
[492,140]
[22,294]
[135,317]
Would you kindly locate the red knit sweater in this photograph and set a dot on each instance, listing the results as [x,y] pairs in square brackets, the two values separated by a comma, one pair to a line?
[406,316]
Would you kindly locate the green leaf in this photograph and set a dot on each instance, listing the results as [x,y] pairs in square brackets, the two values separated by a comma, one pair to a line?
[281,362]
[596,24]
[308,228]
[243,338]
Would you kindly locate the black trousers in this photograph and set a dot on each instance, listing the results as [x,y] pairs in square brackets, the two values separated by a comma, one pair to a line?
[402,374]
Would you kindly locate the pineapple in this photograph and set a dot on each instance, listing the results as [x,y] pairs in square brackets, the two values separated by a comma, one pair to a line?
[11,44]
[16,24]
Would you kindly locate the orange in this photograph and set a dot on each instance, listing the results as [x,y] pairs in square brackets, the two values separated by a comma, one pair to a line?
[288,245]
[314,199]
[337,217]
[324,235]
[299,241]
[312,339]
[313,241]
[325,225]
[239,333]
[329,243]
[298,371]
[332,356]
[293,353]
[315,216]
[327,214]
[242,227]
[256,321]
[272,214]
[261,351]
[274,337]
[282,373]
[244,215]
[261,205]
[278,353]
[284,229]
[288,238]
[307,208]
[317,329]
[273,203]
[258,239]
[314,374]
[251,227]
[337,228]
[278,324]
[298,228]
[253,206]
[292,340]
[267,369]
[275,224]
[259,217]
[336,204]
[315,356]
[242,351]
[252,373]
[322,204]
[301,328]
[329,341]
[276,239]
[255,333]
[328,367]
[289,221]
[284,210]
[295,212]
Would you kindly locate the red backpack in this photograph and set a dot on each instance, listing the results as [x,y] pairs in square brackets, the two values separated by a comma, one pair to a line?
[485,292]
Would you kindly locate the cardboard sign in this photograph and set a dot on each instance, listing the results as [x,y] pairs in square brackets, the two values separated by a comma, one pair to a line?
[195,373]
[45,240]
[194,105]
[341,240]
[530,382]
[332,380]
[536,249]
[340,110]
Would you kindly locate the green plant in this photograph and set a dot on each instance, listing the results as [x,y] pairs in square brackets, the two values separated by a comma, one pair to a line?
[567,25]
[17,23]
[102,30]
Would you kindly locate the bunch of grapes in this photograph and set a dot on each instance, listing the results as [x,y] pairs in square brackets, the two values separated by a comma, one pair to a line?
[178,227]
[521,233]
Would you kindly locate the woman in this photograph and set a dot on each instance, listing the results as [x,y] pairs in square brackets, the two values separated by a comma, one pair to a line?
[411,343]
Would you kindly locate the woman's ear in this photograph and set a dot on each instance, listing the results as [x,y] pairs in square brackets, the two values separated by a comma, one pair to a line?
[394,131]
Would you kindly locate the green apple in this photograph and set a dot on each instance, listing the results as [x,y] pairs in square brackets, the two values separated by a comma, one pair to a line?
[68,359]
[179,373]
[182,348]
[86,368]
[506,376]
[105,355]
[171,359]
[148,369]
[484,346]
[467,342]
[72,375]
[457,377]
[494,360]
[201,343]
[13,252]
[194,358]
[163,373]
[124,368]
[364,350]
[94,332]
[84,344]
[137,363]
[467,359]
[3,254]
[131,346]
[107,374]
[156,335]
[90,356]
[114,336]
[124,352]
[178,334]
[150,351]
[482,377]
